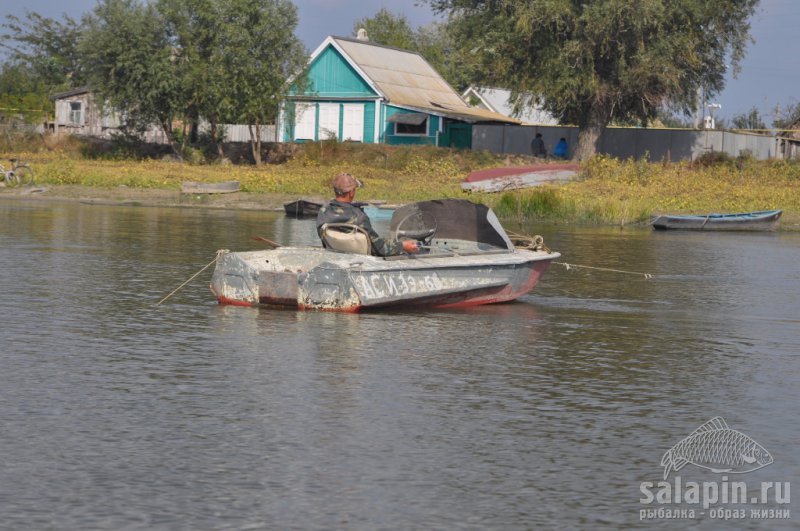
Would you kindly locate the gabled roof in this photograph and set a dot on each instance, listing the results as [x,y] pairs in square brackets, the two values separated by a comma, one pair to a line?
[70,93]
[496,99]
[405,79]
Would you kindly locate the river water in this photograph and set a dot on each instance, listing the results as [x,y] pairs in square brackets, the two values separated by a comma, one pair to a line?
[548,412]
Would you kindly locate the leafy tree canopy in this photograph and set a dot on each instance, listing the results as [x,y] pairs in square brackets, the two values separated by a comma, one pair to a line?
[594,61]
[48,47]
[387,28]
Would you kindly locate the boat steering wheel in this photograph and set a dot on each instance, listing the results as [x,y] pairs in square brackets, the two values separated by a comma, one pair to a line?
[420,226]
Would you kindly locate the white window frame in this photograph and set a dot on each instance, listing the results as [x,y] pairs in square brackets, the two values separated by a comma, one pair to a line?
[75,115]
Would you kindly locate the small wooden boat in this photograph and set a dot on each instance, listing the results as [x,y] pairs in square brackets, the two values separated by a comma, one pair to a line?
[467,260]
[512,178]
[302,208]
[226,187]
[763,220]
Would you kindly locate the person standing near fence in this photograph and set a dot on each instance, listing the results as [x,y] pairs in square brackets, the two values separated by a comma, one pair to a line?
[561,150]
[537,147]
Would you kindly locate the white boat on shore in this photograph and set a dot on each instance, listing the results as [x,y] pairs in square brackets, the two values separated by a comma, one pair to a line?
[516,177]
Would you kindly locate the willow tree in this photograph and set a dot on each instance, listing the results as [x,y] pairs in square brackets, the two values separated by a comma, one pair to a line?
[262,57]
[594,61]
[134,65]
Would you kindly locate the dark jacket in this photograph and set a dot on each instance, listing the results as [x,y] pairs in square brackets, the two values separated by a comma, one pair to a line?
[341,212]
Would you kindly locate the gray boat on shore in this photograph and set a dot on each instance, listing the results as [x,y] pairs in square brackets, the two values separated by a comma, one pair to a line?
[467,260]
[763,220]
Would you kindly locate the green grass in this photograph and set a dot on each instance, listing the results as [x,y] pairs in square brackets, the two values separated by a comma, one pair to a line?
[608,191]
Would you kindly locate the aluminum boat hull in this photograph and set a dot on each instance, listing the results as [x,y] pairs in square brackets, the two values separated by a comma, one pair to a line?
[313,278]
[746,221]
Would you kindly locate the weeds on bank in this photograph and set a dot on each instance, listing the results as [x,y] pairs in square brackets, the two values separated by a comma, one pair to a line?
[607,191]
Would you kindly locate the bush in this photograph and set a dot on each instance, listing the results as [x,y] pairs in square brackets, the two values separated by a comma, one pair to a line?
[713,158]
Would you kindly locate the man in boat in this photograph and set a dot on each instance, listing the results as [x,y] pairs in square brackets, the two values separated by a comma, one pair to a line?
[342,210]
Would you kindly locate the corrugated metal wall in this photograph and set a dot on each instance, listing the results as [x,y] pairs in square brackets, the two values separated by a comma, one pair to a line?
[656,144]
[240,133]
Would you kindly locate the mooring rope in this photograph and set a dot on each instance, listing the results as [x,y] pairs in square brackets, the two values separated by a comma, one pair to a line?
[536,243]
[576,266]
[212,262]
[529,243]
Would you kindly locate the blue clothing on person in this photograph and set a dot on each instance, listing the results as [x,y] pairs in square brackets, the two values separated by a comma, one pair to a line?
[561,150]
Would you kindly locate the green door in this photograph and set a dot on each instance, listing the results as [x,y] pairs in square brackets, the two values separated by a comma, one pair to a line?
[459,135]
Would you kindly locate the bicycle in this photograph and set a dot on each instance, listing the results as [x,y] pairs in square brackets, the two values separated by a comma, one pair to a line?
[20,174]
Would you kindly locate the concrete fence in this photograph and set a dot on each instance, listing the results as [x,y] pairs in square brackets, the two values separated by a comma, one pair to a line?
[624,143]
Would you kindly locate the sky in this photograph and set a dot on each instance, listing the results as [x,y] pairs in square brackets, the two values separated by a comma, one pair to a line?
[769,77]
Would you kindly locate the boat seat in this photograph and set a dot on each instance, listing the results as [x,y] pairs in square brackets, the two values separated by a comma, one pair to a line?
[346,238]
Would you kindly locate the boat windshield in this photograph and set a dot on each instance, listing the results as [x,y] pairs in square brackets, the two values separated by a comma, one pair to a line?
[456,219]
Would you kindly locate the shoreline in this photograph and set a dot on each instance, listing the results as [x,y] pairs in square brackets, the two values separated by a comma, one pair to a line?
[252,201]
[149,197]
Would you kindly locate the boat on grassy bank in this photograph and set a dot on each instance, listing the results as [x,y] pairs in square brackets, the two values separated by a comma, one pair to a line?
[763,220]
[513,178]
[467,260]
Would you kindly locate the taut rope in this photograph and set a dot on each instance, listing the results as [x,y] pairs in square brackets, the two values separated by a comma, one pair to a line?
[212,262]
[536,243]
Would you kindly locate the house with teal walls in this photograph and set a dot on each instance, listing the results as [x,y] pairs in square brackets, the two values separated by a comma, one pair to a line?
[359,91]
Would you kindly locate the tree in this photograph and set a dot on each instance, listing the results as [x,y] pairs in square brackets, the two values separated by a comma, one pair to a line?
[384,27]
[195,28]
[23,96]
[597,61]
[786,117]
[262,57]
[133,65]
[49,47]
[749,120]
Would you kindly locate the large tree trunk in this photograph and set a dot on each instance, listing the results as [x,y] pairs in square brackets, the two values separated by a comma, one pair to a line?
[166,126]
[598,118]
[255,141]
[216,140]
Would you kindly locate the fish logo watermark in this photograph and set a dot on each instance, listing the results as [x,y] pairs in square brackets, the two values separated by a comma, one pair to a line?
[718,448]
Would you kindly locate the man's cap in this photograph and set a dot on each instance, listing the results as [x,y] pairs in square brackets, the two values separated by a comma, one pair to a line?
[344,183]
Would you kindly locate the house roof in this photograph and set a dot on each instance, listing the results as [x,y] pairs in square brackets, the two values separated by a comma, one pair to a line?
[70,93]
[497,99]
[405,79]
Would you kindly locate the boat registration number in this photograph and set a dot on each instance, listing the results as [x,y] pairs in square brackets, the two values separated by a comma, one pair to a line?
[379,286]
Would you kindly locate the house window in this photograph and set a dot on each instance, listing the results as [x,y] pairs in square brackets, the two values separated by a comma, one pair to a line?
[411,129]
[353,122]
[76,112]
[328,120]
[305,125]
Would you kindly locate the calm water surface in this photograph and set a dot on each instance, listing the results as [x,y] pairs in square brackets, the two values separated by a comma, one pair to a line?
[545,413]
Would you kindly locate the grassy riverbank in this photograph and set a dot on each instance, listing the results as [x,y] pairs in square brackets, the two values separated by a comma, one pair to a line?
[608,191]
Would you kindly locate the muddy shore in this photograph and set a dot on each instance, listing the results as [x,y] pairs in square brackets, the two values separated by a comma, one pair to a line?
[125,196]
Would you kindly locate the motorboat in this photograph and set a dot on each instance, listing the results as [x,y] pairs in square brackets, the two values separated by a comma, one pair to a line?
[466,259]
